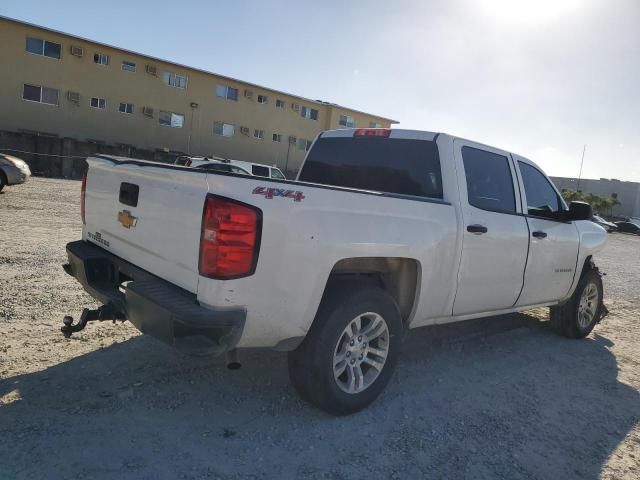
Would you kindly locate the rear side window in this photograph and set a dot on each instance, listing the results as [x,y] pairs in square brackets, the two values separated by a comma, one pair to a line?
[260,171]
[400,166]
[489,180]
[542,199]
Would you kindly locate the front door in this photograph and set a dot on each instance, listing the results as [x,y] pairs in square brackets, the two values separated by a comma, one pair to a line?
[495,233]
[553,249]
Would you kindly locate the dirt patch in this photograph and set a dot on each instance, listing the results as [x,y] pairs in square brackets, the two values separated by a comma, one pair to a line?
[497,398]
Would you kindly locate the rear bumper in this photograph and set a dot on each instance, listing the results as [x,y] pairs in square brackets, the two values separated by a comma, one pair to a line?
[154,306]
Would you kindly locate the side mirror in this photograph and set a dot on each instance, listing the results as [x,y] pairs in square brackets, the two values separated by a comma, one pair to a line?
[580,211]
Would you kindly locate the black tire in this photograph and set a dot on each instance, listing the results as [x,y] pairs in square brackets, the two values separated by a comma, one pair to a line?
[311,364]
[3,181]
[564,318]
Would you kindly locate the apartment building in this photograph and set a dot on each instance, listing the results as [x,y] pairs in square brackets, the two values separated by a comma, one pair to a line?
[59,84]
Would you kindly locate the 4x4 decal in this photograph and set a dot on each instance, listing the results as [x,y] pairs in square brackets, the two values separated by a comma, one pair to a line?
[279,192]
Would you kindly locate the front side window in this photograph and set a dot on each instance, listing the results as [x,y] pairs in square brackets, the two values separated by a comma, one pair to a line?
[171,119]
[128,66]
[223,129]
[126,107]
[347,121]
[176,80]
[97,102]
[489,180]
[399,166]
[43,47]
[275,173]
[101,59]
[224,91]
[35,93]
[542,199]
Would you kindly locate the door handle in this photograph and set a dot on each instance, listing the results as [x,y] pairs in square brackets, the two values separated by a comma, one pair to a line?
[539,234]
[477,229]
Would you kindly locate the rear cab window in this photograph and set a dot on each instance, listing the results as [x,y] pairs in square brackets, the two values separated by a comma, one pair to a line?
[390,165]
[260,171]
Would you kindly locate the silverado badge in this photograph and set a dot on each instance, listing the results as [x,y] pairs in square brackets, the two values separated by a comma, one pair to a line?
[126,219]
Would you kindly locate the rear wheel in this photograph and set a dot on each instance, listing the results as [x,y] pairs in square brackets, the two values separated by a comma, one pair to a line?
[350,352]
[577,317]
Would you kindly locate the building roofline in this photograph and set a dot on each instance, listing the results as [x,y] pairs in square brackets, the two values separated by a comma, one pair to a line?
[207,72]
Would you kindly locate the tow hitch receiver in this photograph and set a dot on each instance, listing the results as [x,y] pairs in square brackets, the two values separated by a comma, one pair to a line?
[101,314]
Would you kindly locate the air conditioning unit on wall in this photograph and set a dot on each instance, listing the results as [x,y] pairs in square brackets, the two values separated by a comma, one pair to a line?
[147,111]
[248,94]
[244,131]
[76,51]
[151,70]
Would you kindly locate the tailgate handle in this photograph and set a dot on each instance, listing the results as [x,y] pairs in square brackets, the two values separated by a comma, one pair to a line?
[129,194]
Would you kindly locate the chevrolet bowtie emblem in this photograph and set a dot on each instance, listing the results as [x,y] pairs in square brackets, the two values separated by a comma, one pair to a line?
[126,219]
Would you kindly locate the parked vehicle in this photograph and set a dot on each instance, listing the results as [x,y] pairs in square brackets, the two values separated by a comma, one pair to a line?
[628,227]
[13,170]
[608,226]
[256,169]
[383,231]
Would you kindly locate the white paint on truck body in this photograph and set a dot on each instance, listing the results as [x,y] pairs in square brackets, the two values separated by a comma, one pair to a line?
[460,275]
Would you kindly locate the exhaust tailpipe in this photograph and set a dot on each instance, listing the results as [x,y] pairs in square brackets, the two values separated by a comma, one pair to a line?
[232,360]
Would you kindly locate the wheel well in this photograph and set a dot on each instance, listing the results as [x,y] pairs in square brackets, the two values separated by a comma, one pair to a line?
[4,177]
[398,276]
[588,264]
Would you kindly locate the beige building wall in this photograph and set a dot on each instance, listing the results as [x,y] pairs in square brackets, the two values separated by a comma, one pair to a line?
[80,121]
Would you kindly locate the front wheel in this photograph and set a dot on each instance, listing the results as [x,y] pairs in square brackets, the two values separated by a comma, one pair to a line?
[577,317]
[351,350]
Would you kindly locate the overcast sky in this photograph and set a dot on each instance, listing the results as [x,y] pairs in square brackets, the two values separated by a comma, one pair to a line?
[540,78]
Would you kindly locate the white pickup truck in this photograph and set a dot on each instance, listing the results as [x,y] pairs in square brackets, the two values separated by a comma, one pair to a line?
[382,231]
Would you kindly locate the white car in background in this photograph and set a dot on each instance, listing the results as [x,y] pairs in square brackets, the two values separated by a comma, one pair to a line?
[13,171]
[234,166]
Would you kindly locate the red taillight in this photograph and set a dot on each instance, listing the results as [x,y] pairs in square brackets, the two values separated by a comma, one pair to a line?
[82,195]
[372,132]
[229,239]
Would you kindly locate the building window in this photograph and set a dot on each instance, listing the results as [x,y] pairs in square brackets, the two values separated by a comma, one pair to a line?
[170,119]
[263,99]
[306,112]
[374,125]
[223,129]
[176,80]
[258,134]
[279,103]
[126,107]
[43,47]
[128,66]
[101,59]
[35,93]
[304,144]
[347,121]
[230,93]
[276,137]
[97,102]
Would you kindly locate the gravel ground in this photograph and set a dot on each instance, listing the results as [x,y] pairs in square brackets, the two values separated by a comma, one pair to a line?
[497,398]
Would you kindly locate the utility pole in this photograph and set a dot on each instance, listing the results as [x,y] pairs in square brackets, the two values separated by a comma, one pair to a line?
[581,163]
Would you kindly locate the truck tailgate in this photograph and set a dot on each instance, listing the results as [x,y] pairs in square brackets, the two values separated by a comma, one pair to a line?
[148,215]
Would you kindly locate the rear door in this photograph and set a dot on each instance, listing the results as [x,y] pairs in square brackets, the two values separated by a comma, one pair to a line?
[148,215]
[554,243]
[495,234]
